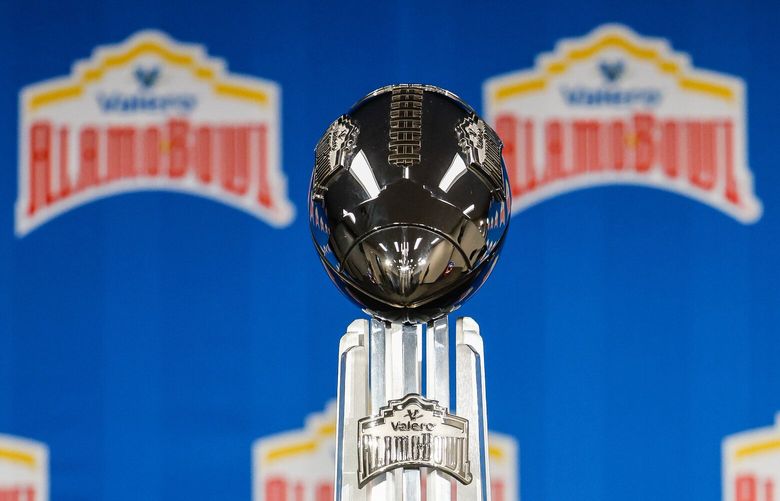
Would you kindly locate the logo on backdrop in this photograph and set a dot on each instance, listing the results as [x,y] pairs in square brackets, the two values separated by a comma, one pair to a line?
[751,465]
[617,108]
[24,469]
[150,114]
[299,464]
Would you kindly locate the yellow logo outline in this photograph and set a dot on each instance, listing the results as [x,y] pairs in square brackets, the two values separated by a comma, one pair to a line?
[570,51]
[18,456]
[105,58]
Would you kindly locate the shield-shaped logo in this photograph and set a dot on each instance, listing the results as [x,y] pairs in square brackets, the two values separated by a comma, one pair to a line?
[433,438]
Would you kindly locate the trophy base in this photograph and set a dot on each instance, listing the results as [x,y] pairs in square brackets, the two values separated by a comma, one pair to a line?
[398,441]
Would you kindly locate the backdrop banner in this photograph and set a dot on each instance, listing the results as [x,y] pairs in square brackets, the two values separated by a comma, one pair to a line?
[161,301]
[614,107]
[149,114]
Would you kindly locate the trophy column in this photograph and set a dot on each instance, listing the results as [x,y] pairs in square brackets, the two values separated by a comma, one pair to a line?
[409,205]
[391,441]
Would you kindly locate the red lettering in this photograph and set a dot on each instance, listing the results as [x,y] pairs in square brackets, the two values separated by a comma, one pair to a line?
[264,186]
[701,157]
[24,493]
[276,489]
[518,138]
[732,188]
[121,153]
[88,165]
[235,165]
[669,160]
[497,490]
[227,149]
[700,150]
[506,128]
[231,155]
[40,166]
[693,131]
[530,162]
[586,146]
[151,149]
[554,135]
[324,492]
[643,153]
[617,145]
[746,488]
[177,156]
[298,491]
[203,154]
[65,188]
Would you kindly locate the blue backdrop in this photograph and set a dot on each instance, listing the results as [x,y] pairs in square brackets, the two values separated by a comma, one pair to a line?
[149,338]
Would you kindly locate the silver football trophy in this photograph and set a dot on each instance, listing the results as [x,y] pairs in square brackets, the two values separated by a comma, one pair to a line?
[409,206]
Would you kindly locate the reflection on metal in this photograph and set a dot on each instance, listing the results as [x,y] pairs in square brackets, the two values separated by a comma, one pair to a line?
[393,442]
[455,172]
[409,244]
[361,171]
[413,433]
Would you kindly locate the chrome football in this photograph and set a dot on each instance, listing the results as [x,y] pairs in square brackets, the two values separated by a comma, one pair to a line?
[409,202]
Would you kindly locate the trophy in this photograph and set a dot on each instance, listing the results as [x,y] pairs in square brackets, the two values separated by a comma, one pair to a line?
[409,205]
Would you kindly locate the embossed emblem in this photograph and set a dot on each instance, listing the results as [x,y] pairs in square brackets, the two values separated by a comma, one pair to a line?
[405,125]
[335,149]
[413,432]
[482,148]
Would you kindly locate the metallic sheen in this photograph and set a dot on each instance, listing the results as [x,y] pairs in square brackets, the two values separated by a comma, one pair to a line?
[413,433]
[409,202]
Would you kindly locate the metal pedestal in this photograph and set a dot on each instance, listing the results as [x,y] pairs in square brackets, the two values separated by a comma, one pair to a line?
[381,362]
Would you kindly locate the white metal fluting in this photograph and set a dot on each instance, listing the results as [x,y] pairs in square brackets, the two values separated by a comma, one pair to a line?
[381,361]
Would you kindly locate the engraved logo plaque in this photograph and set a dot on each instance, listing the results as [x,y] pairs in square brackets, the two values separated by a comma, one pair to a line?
[413,432]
